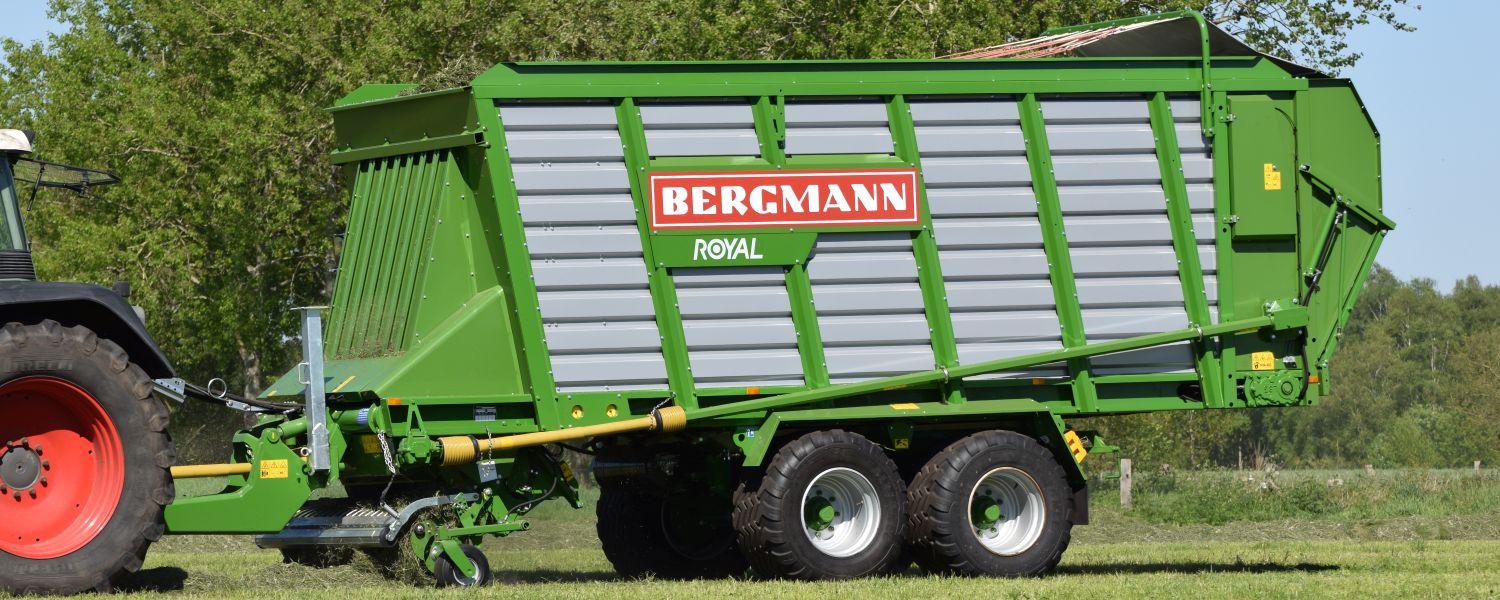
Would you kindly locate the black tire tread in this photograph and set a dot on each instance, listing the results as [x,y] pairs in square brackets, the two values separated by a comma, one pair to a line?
[931,543]
[149,455]
[764,534]
[630,535]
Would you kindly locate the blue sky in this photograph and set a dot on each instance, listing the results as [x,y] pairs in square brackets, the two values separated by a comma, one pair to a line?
[1428,92]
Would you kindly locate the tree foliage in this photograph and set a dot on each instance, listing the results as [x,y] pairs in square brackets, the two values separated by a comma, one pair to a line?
[212,111]
[1414,384]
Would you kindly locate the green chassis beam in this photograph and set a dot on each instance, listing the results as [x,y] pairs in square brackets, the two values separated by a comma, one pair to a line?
[1281,318]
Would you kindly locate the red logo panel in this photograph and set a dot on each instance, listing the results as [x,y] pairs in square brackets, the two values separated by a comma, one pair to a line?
[833,198]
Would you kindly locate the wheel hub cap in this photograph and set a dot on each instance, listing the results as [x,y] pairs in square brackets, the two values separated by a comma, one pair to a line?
[1007,511]
[20,467]
[840,512]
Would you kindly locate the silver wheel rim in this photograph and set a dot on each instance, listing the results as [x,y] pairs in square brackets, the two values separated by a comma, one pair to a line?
[1007,511]
[840,512]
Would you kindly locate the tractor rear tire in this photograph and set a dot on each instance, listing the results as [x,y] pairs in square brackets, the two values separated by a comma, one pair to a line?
[643,535]
[830,505]
[88,456]
[994,503]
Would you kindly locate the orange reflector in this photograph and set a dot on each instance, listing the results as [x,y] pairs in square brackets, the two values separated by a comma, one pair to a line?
[1038,381]
[752,390]
[394,402]
[1313,379]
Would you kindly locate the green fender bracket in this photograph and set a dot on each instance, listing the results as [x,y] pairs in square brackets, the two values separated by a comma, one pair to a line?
[756,441]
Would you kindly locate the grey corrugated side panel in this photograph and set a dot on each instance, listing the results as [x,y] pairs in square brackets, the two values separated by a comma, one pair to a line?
[1197,169]
[993,264]
[1093,199]
[868,362]
[867,298]
[702,142]
[728,277]
[1119,138]
[1156,359]
[1108,261]
[697,115]
[865,266]
[888,330]
[981,201]
[563,177]
[971,352]
[577,209]
[583,240]
[940,111]
[1201,196]
[734,333]
[751,367]
[835,113]
[838,140]
[588,273]
[987,232]
[1107,169]
[1061,371]
[970,139]
[1096,109]
[1033,294]
[611,371]
[1190,139]
[1113,323]
[975,171]
[1184,109]
[1118,230]
[860,242]
[519,117]
[607,305]
[1136,291]
[564,145]
[1006,326]
[748,301]
[593,338]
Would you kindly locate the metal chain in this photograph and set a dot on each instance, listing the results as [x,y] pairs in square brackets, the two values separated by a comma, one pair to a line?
[390,465]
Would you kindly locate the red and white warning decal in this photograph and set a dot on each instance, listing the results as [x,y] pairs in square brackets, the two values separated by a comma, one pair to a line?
[833,198]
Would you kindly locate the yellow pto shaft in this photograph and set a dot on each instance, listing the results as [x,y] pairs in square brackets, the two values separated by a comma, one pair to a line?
[464,449]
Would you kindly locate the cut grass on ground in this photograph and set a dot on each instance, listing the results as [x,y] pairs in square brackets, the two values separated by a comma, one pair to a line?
[1398,534]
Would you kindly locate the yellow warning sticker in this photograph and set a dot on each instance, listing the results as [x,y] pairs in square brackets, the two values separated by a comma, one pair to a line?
[905,406]
[370,443]
[273,469]
[1273,177]
[903,443]
[567,471]
[1262,361]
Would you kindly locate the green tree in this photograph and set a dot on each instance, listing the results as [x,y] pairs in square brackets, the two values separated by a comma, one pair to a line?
[212,111]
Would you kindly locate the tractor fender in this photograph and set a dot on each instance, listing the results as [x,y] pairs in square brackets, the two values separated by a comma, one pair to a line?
[99,309]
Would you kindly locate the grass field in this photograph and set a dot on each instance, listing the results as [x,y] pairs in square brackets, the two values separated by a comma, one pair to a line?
[1394,535]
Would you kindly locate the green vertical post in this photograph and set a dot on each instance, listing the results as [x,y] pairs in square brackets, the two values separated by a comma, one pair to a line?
[1185,243]
[1224,249]
[1055,242]
[663,289]
[924,248]
[521,288]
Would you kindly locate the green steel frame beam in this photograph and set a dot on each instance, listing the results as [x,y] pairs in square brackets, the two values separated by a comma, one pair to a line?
[770,131]
[1185,243]
[1055,242]
[526,318]
[1224,251]
[924,246]
[663,289]
[1285,318]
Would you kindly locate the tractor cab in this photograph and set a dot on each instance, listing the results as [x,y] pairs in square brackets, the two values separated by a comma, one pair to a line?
[17,167]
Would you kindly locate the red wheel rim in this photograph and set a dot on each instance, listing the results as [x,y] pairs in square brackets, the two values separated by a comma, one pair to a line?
[61,464]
